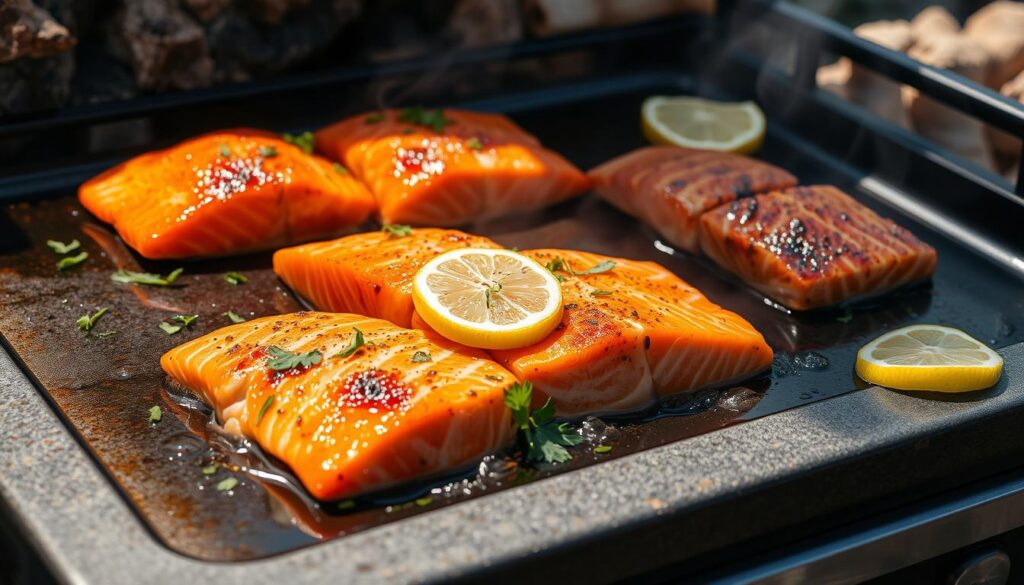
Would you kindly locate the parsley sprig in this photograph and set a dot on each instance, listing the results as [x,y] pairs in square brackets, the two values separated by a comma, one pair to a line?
[357,341]
[129,277]
[545,439]
[282,359]
[180,321]
[433,119]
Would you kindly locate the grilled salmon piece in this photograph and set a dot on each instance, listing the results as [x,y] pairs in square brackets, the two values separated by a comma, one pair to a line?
[810,247]
[222,193]
[631,334]
[669,187]
[468,166]
[369,274]
[349,425]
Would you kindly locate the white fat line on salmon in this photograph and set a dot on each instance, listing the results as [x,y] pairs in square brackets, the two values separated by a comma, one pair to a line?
[942,223]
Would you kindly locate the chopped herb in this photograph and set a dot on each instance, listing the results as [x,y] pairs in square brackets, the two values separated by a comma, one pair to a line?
[395,230]
[602,449]
[263,409]
[168,328]
[346,504]
[424,501]
[226,485]
[224,150]
[268,151]
[129,277]
[433,119]
[211,469]
[304,141]
[285,360]
[600,267]
[235,278]
[86,321]
[375,118]
[420,357]
[234,317]
[340,169]
[493,377]
[62,248]
[71,261]
[491,290]
[474,144]
[186,320]
[600,293]
[155,414]
[106,334]
[545,439]
[847,316]
[357,342]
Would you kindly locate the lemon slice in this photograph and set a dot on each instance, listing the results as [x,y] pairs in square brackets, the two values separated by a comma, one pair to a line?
[493,299]
[929,357]
[699,123]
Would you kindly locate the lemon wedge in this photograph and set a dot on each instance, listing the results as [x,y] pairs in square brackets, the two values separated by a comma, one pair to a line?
[929,357]
[492,299]
[700,123]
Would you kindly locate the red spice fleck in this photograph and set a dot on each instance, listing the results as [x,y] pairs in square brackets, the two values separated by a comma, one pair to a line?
[373,388]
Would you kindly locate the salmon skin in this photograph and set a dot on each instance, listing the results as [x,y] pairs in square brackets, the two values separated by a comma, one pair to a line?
[810,247]
[466,166]
[630,335]
[222,193]
[349,424]
[669,187]
[369,274]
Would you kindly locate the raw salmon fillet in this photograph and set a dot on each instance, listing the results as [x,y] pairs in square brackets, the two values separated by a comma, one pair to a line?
[630,335]
[350,425]
[222,193]
[469,166]
[670,187]
[810,247]
[370,274]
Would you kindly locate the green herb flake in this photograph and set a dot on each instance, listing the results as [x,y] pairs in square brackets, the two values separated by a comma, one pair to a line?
[374,118]
[474,144]
[268,151]
[263,409]
[394,230]
[339,168]
[847,316]
[224,150]
[346,504]
[86,322]
[282,359]
[424,501]
[357,341]
[186,320]
[545,440]
[62,248]
[228,484]
[211,469]
[602,449]
[71,261]
[433,119]
[155,414]
[234,317]
[600,293]
[305,141]
[600,267]
[235,278]
[169,328]
[420,357]
[129,277]
[562,265]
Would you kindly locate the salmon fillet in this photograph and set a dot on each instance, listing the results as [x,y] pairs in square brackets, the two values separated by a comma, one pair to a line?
[349,425]
[222,193]
[469,166]
[630,335]
[670,187]
[810,247]
[369,274]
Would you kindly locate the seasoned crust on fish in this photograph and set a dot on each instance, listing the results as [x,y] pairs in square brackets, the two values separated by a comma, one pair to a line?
[810,247]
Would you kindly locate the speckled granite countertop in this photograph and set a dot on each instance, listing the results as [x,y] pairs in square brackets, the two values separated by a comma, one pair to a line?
[650,508]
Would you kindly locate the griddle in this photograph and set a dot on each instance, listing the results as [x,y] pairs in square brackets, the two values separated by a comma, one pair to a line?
[101,387]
